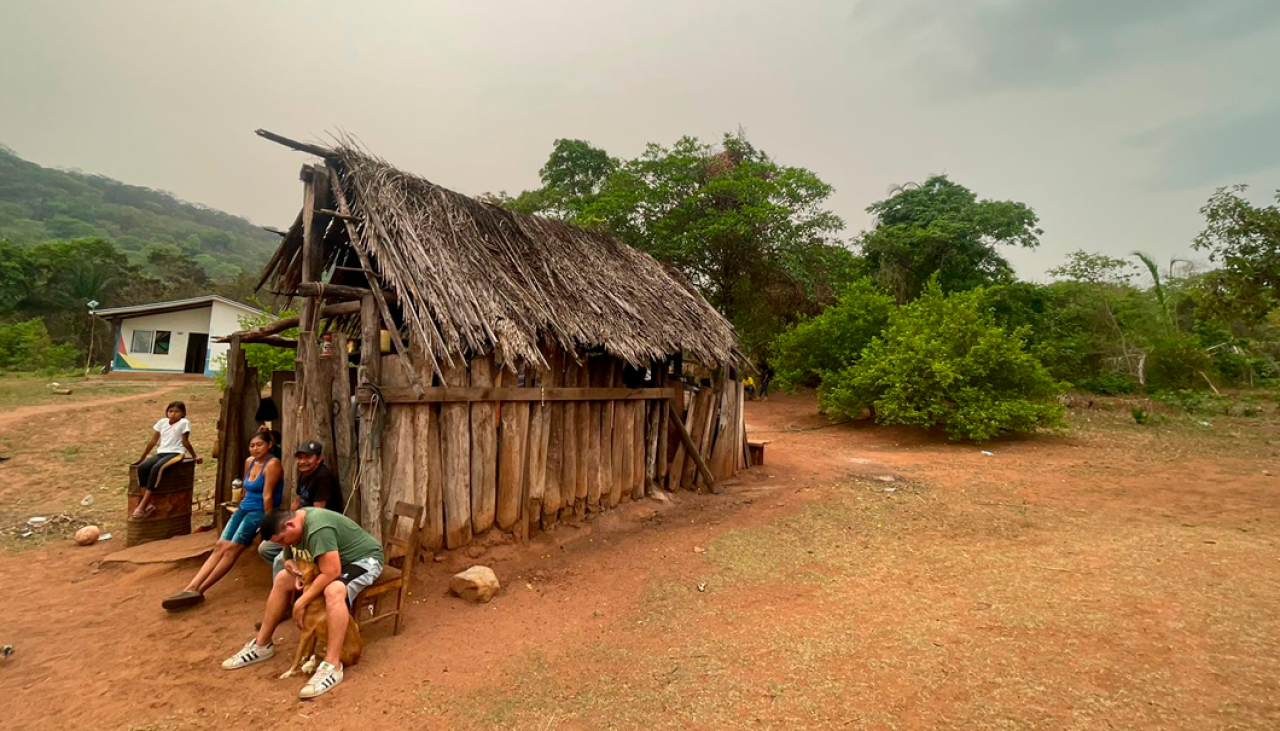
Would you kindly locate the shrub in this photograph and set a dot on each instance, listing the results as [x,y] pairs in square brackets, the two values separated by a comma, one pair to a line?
[1110,384]
[26,346]
[1177,362]
[1140,415]
[944,362]
[834,339]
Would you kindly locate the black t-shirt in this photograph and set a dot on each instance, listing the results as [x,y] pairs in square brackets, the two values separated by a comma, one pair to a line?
[319,483]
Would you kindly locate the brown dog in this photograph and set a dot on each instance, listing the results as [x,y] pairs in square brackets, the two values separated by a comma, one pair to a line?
[315,631]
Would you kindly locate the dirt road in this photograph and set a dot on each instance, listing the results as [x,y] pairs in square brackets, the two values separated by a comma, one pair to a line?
[865,578]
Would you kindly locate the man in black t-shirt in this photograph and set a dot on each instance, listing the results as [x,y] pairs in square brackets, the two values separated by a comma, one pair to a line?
[317,487]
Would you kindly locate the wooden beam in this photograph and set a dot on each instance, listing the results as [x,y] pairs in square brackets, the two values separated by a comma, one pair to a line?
[692,449]
[275,340]
[354,235]
[341,292]
[316,150]
[393,395]
[336,310]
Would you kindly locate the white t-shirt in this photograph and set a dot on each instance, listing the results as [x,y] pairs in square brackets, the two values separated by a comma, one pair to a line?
[171,435]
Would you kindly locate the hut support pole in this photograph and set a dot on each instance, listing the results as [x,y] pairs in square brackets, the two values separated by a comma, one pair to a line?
[369,474]
[377,292]
[693,450]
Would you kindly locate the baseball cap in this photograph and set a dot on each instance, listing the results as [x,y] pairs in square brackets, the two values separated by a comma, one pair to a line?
[310,447]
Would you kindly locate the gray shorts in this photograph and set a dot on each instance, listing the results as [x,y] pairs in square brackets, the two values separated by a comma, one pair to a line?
[359,576]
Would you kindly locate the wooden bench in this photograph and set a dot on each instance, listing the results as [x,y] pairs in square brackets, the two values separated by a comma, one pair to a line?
[401,552]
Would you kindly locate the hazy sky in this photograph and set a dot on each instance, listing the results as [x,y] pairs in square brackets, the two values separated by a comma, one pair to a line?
[1114,119]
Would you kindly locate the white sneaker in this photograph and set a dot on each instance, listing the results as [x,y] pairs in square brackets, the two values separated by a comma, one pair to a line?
[248,655]
[326,679]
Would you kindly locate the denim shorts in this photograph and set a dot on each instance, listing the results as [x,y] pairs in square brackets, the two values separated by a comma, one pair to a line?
[243,526]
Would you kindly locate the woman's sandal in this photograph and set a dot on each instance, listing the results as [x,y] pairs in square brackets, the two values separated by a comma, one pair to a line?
[139,516]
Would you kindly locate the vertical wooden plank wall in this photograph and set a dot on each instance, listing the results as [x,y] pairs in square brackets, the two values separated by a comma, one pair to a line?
[554,494]
[572,443]
[343,450]
[484,449]
[455,451]
[512,442]
[536,472]
[427,460]
[615,416]
[368,441]
[399,481]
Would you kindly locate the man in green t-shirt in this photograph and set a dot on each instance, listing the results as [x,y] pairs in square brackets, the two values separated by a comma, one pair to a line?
[349,560]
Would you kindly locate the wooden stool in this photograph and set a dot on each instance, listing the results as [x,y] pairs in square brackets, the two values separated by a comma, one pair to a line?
[172,501]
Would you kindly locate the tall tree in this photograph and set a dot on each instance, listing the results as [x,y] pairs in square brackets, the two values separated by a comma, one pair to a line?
[941,228]
[751,234]
[1245,240]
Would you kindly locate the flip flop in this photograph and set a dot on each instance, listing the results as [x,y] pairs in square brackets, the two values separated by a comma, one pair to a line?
[182,600]
[150,509]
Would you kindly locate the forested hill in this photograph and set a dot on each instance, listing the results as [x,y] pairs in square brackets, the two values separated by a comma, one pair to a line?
[39,204]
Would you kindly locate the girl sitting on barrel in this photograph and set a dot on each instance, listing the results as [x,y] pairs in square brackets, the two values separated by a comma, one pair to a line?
[173,434]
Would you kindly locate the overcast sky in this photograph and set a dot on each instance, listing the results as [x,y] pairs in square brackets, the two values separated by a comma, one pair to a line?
[1114,119]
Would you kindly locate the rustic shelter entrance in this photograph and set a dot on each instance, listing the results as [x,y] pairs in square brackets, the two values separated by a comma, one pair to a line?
[510,371]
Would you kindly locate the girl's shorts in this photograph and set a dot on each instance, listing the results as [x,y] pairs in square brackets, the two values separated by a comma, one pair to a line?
[243,526]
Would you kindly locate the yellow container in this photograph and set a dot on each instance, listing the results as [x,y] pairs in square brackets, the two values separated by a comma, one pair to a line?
[384,342]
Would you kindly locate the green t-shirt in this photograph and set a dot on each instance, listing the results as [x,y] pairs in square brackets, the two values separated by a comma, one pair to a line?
[324,531]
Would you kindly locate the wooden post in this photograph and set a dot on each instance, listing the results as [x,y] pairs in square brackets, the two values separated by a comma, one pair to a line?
[314,196]
[399,478]
[569,442]
[652,425]
[369,439]
[708,426]
[597,456]
[484,450]
[288,403]
[229,464]
[721,449]
[536,471]
[553,496]
[679,408]
[455,452]
[427,459]
[614,432]
[343,451]
[697,418]
[582,422]
[512,459]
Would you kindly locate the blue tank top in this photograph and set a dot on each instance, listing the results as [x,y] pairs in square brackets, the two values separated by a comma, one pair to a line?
[253,488]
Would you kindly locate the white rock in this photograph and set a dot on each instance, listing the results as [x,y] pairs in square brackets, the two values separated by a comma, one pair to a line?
[477,584]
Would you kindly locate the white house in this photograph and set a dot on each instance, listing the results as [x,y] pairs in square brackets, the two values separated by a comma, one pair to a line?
[174,337]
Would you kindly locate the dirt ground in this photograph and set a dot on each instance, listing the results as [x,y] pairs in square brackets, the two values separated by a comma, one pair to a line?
[1118,576]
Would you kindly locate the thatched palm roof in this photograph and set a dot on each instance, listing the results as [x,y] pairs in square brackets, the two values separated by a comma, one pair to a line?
[472,276]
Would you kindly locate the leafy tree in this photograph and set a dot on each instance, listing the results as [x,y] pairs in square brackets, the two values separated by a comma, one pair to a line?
[941,228]
[752,235]
[943,361]
[26,346]
[1245,240]
[816,348]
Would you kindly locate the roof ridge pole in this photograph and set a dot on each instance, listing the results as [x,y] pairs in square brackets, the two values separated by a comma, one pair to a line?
[352,234]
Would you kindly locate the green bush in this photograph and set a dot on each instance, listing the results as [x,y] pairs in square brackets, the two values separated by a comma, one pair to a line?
[26,346]
[944,362]
[1109,384]
[834,339]
[1177,362]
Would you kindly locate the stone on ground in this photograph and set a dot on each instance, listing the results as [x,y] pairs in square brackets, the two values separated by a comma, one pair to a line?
[477,584]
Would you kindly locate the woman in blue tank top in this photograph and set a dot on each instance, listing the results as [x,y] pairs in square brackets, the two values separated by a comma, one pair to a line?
[263,492]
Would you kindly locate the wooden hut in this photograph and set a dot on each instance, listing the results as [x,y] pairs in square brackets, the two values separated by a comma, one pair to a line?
[510,372]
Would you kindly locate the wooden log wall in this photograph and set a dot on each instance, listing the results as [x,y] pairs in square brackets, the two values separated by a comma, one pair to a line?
[522,466]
